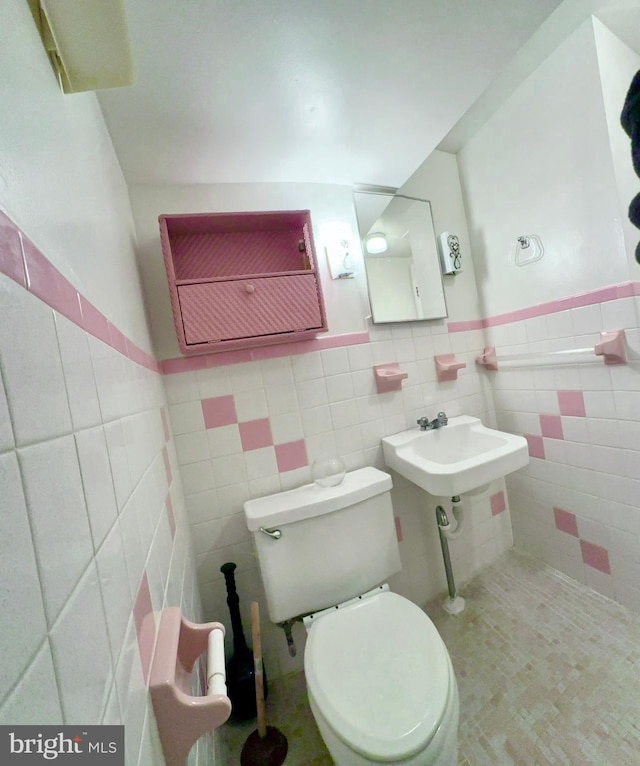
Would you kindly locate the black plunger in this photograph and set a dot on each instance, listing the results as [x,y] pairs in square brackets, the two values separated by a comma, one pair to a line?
[240,667]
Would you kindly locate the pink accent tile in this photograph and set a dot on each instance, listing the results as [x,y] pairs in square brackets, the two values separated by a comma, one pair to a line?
[275,351]
[498,503]
[595,556]
[167,465]
[291,455]
[11,262]
[536,445]
[45,281]
[117,340]
[94,322]
[551,426]
[165,424]
[171,516]
[566,522]
[145,624]
[571,403]
[219,411]
[465,326]
[183,364]
[624,290]
[398,528]
[636,288]
[589,298]
[337,341]
[255,434]
[229,357]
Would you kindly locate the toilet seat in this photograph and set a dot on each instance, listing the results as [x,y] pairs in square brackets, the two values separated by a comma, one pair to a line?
[380,674]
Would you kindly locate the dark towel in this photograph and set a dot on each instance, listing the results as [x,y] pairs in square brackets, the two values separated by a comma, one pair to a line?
[630,119]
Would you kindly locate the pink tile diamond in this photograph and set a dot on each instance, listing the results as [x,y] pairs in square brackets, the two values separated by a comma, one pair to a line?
[551,426]
[571,403]
[219,411]
[566,522]
[536,445]
[498,503]
[595,556]
[255,434]
[291,455]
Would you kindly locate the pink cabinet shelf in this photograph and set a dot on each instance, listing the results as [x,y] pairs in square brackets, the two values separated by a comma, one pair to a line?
[238,280]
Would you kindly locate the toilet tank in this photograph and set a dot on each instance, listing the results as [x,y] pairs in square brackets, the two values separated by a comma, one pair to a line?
[335,543]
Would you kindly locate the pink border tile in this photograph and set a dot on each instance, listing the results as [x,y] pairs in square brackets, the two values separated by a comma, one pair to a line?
[171,516]
[595,556]
[165,424]
[219,411]
[398,528]
[94,322]
[11,262]
[536,445]
[551,426]
[255,434]
[167,466]
[498,503]
[291,455]
[45,281]
[566,522]
[465,326]
[21,261]
[571,403]
[189,364]
[145,624]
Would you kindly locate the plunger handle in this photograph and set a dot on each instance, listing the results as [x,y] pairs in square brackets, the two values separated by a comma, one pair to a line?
[257,662]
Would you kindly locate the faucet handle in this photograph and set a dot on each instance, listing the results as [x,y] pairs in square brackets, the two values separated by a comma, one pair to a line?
[442,417]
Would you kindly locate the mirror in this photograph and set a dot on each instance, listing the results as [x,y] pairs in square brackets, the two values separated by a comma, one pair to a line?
[401,257]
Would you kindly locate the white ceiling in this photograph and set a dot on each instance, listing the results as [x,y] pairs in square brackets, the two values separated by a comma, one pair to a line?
[327,91]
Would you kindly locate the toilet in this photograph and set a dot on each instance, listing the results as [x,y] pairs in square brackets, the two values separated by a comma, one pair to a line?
[379,678]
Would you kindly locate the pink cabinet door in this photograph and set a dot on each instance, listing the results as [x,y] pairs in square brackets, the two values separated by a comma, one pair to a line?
[246,308]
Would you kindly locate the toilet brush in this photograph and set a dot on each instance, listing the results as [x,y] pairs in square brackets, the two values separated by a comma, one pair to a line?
[266,746]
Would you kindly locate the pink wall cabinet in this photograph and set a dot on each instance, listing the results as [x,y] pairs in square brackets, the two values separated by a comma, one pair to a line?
[238,280]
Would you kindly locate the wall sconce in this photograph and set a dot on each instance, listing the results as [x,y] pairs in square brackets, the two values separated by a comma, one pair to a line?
[338,247]
[376,243]
[87,42]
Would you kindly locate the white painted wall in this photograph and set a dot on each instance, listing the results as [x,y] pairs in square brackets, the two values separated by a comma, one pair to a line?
[618,64]
[346,300]
[60,180]
[542,164]
[437,180]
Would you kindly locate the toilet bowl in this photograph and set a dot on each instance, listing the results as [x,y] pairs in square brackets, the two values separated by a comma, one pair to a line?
[381,686]
[379,678]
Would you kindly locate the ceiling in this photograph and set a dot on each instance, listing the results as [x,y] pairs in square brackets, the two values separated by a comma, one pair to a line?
[324,91]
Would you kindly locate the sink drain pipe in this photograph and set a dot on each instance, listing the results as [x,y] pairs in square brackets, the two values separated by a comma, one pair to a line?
[454,604]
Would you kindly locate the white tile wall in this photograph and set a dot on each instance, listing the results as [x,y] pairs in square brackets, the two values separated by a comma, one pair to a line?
[82,491]
[594,472]
[327,398]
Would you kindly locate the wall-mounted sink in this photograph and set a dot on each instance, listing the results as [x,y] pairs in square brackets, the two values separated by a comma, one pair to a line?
[459,457]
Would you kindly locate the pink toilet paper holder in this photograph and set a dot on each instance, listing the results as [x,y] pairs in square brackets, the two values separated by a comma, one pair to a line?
[183,718]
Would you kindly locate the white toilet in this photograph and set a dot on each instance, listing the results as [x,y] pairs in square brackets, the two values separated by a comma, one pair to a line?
[379,678]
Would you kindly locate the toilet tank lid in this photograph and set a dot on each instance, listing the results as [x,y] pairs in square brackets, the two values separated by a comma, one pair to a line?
[313,500]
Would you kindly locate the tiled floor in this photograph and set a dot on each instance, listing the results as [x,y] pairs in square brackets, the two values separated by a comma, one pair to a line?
[548,673]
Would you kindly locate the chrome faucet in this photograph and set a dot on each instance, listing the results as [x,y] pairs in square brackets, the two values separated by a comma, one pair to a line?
[427,425]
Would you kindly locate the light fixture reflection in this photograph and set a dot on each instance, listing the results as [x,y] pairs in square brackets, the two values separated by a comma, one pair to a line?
[376,243]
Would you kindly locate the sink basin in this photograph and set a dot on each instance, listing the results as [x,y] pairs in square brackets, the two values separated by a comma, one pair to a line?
[459,457]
